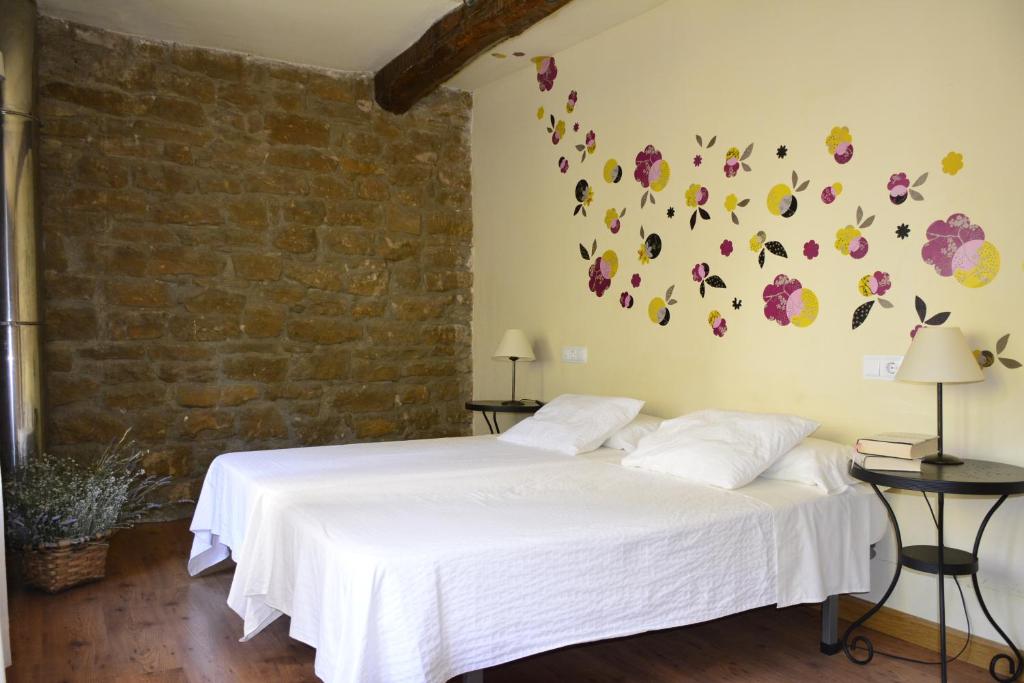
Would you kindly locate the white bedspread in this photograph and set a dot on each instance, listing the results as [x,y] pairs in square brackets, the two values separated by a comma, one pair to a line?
[417,561]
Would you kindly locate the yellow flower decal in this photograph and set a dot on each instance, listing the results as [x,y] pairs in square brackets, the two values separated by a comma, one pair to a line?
[659,184]
[837,137]
[540,113]
[612,171]
[731,202]
[843,238]
[732,153]
[642,254]
[757,241]
[864,286]
[805,311]
[713,316]
[952,163]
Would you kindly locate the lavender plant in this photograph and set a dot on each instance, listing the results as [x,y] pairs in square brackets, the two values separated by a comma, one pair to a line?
[53,499]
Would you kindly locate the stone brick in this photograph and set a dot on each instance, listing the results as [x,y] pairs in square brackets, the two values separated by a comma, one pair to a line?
[257,266]
[296,239]
[213,63]
[64,389]
[443,281]
[208,424]
[138,293]
[177,110]
[191,213]
[103,171]
[376,427]
[197,395]
[70,323]
[136,326]
[262,322]
[261,422]
[238,394]
[370,398]
[348,241]
[304,212]
[315,276]
[290,129]
[255,368]
[133,396]
[183,261]
[364,214]
[214,301]
[203,328]
[161,178]
[323,330]
[321,365]
[306,160]
[251,213]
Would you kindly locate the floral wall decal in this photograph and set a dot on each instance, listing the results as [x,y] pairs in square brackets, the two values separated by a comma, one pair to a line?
[557,129]
[612,171]
[831,192]
[788,301]
[650,248]
[701,273]
[781,152]
[900,188]
[717,323]
[952,163]
[626,300]
[737,304]
[725,248]
[546,72]
[811,250]
[601,270]
[734,160]
[731,204]
[570,103]
[563,164]
[902,231]
[987,359]
[872,286]
[781,198]
[922,315]
[840,144]
[696,198]
[613,220]
[584,194]
[958,247]
[652,172]
[760,246]
[657,309]
[850,241]
[697,160]
[589,146]
[711,142]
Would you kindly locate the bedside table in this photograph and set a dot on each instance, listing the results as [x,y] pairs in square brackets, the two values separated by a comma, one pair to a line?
[973,478]
[527,407]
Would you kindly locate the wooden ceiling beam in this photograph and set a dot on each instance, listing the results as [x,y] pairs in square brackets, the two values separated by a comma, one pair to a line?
[450,44]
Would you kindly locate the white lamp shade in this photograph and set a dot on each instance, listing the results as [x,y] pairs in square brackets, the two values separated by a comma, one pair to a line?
[514,344]
[940,354]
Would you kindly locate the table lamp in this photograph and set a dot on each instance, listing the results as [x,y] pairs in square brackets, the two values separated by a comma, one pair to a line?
[515,347]
[940,355]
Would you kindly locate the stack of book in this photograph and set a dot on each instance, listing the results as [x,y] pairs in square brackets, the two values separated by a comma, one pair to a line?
[895,451]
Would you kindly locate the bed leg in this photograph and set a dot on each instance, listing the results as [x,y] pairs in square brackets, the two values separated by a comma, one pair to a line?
[830,625]
[472,677]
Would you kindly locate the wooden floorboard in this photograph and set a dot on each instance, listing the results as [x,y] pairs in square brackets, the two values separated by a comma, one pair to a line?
[148,621]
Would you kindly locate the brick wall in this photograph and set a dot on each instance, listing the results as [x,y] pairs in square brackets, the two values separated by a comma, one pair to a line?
[242,254]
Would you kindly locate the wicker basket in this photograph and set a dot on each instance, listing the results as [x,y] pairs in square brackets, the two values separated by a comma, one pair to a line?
[54,567]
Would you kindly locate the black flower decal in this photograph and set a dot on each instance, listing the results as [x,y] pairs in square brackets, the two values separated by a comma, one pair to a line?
[781,152]
[903,231]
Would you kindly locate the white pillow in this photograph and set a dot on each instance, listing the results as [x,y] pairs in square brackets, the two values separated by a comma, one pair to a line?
[573,423]
[629,436]
[816,462]
[720,448]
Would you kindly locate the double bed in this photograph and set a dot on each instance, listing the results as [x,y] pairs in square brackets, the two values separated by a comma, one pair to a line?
[422,560]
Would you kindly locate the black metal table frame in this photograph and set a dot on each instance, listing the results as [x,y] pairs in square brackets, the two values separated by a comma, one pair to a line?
[1016,663]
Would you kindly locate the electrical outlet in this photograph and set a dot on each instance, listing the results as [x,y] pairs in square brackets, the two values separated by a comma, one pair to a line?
[881,367]
[574,354]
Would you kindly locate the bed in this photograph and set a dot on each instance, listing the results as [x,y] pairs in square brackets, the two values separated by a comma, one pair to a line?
[422,560]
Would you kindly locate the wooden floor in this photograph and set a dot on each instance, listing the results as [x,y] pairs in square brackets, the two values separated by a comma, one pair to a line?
[148,621]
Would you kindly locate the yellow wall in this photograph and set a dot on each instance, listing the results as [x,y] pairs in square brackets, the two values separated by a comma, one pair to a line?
[912,81]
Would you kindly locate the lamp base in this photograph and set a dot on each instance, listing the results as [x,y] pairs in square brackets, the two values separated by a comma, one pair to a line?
[942,459]
[514,402]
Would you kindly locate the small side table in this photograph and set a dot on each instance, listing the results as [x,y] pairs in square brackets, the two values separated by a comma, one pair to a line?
[973,478]
[527,407]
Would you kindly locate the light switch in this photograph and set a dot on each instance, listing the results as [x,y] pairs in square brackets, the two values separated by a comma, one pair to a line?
[574,354]
[881,367]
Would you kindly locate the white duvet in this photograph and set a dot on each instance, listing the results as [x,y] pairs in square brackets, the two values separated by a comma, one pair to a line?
[420,560]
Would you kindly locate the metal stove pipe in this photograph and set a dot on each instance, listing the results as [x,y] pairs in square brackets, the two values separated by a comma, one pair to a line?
[21,404]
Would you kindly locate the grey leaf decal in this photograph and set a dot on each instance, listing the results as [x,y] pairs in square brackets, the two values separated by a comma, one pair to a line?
[711,142]
[746,166]
[641,232]
[867,222]
[743,202]
[593,249]
[920,181]
[668,292]
[643,200]
[735,220]
[622,213]
[1001,344]
[651,197]
[579,207]
[1010,363]
[583,252]
[860,215]
[746,152]
[580,148]
[916,196]
[671,302]
[803,186]
[795,179]
[885,303]
[700,141]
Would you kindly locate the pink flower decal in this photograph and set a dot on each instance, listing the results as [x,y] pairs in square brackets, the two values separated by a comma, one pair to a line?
[717,323]
[956,247]
[811,249]
[788,301]
[899,187]
[698,160]
[734,160]
[570,103]
[871,285]
[546,72]
[626,300]
[701,273]
[563,164]
[591,142]
[652,172]
[635,280]
[600,276]
[726,247]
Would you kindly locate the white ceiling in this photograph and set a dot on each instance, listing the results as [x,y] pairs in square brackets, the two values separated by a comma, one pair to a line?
[348,35]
